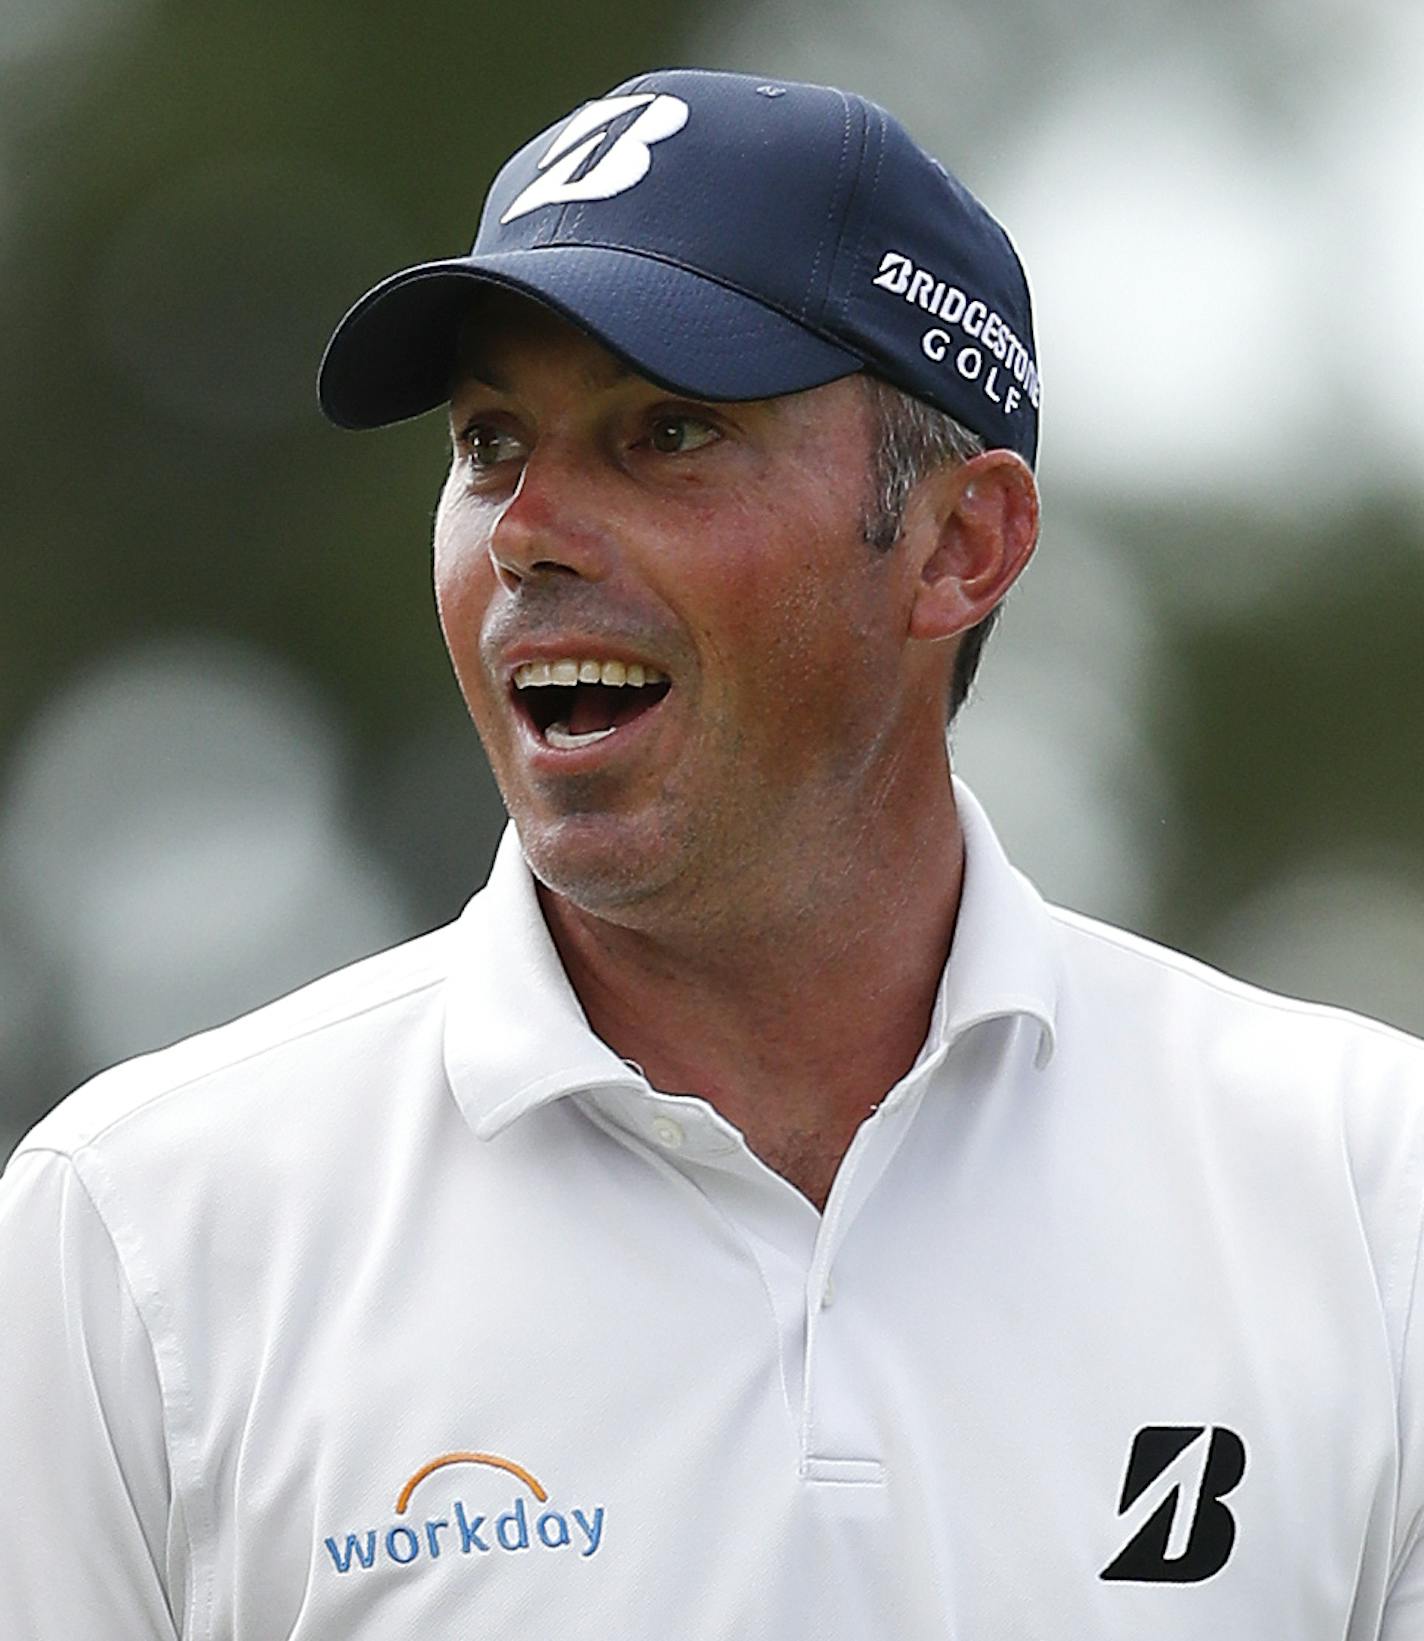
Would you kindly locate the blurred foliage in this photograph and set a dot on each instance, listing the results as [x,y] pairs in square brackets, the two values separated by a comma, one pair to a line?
[1295,726]
[124,514]
[191,197]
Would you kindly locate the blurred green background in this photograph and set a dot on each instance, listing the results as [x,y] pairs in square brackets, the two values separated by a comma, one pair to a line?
[231,755]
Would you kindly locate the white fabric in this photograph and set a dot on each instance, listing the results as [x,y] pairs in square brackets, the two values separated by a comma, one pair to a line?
[253,1286]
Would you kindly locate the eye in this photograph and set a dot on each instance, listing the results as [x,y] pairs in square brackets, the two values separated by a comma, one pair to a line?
[486,446]
[675,434]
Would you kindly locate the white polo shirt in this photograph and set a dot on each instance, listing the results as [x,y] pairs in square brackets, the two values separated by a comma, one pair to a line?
[404,1307]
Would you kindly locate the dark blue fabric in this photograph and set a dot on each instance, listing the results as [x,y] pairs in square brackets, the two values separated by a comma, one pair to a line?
[783,236]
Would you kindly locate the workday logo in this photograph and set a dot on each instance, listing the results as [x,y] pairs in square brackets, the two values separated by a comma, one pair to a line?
[625,163]
[467,1531]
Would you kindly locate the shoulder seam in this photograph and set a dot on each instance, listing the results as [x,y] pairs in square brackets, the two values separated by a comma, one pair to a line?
[309,1029]
[1244,991]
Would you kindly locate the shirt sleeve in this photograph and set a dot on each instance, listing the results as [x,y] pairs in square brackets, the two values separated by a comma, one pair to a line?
[83,1461]
[1404,1609]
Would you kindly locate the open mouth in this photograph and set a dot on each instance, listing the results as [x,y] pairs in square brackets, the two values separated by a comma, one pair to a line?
[573,703]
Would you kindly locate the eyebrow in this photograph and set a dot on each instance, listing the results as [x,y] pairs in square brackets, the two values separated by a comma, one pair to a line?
[607,372]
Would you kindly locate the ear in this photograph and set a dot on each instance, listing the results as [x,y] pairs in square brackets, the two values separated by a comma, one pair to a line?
[971,529]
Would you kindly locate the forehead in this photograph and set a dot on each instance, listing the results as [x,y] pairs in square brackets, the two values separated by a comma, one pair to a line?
[514,345]
[509,342]
[502,329]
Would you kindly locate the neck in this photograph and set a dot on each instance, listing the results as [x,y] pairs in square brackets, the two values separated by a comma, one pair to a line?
[794,1020]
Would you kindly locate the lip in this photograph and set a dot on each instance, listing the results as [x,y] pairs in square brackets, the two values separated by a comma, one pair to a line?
[573,649]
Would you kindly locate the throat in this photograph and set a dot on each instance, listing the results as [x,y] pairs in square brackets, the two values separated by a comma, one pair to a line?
[808,1160]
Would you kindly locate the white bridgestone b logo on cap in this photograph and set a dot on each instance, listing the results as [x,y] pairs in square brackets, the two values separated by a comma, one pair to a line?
[625,164]
[994,357]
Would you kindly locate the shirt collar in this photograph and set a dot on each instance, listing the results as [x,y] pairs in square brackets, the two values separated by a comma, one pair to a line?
[516,1036]
[1002,961]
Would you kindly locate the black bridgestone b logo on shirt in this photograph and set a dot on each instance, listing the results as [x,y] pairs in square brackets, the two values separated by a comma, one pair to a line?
[1177,1476]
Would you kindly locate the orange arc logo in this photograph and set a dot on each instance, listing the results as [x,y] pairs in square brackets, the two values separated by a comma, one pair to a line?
[468,1458]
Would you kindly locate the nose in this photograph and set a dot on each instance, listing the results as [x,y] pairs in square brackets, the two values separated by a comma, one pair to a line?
[552,525]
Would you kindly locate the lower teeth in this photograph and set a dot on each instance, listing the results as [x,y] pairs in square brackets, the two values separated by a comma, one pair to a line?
[559,736]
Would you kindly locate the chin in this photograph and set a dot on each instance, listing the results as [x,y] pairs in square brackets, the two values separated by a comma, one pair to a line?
[603,864]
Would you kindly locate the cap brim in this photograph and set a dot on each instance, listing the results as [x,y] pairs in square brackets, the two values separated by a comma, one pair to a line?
[392,356]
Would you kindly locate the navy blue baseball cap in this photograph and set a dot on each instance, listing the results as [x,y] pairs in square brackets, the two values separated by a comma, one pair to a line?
[729,237]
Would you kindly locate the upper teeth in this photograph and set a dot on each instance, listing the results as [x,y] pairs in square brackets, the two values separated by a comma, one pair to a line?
[534,673]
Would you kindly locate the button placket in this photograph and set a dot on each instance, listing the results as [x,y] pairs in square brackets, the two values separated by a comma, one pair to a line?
[834,1428]
[668,1132]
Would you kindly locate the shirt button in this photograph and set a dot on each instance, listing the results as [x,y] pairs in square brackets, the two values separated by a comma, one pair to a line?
[828,1294]
[668,1133]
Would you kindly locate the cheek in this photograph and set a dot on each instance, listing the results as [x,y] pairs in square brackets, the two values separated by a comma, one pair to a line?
[787,591]
[463,573]
[464,585]
[734,565]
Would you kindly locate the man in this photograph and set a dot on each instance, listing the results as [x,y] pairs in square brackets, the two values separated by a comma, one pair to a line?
[759,1215]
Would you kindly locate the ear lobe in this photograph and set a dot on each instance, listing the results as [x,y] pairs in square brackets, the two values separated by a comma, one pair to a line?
[974,527]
